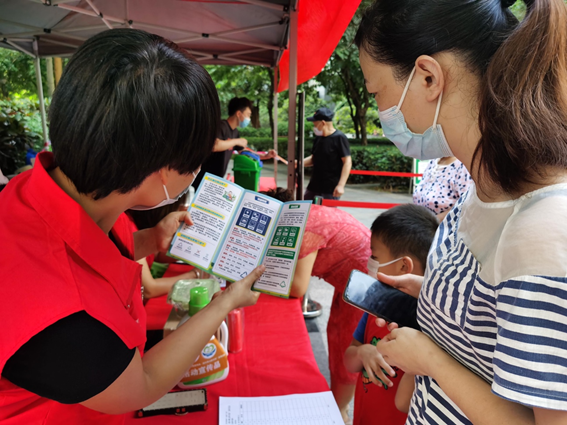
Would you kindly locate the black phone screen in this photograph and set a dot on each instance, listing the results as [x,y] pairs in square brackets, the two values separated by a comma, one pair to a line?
[381,300]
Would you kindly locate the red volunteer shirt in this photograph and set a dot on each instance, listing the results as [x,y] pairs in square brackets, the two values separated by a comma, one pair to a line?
[373,404]
[56,261]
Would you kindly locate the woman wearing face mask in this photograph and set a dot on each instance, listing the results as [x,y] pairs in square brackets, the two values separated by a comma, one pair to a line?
[493,346]
[73,323]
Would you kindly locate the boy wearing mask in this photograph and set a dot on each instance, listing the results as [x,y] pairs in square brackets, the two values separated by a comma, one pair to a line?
[400,241]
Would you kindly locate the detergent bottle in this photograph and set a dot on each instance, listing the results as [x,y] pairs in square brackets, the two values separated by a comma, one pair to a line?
[212,363]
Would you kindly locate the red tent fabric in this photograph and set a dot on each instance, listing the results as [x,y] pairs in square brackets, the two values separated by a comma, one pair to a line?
[321,24]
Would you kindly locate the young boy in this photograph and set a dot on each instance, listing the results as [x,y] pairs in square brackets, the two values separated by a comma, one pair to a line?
[400,242]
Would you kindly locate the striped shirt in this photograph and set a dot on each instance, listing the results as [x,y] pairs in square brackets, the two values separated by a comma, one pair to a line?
[495,298]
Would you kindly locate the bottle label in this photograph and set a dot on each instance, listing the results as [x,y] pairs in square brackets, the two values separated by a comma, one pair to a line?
[210,364]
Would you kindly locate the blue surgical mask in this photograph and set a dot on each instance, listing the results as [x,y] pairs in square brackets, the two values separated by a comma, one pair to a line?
[167,200]
[429,145]
[244,123]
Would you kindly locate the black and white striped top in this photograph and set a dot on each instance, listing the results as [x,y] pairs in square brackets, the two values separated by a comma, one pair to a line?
[495,298]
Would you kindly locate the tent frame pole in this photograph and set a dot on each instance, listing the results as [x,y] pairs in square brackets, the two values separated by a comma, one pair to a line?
[292,111]
[40,90]
[263,4]
[15,46]
[275,121]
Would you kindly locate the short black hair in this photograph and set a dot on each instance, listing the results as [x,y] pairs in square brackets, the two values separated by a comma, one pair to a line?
[406,230]
[130,103]
[280,193]
[238,104]
[397,32]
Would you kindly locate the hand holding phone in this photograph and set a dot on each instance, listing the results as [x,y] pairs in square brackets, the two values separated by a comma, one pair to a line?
[381,300]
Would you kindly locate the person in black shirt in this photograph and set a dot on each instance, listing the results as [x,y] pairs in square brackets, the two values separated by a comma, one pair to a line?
[330,158]
[228,139]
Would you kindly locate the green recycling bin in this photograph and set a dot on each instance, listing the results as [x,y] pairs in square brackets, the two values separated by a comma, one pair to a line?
[247,172]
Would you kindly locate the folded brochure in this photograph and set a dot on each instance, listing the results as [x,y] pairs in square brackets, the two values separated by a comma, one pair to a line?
[235,230]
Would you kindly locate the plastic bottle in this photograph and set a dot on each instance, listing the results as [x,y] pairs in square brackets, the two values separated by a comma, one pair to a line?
[235,323]
[212,364]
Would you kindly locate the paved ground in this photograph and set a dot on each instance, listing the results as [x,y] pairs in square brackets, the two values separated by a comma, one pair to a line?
[320,290]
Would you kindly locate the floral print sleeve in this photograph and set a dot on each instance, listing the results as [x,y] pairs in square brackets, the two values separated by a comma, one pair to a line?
[442,186]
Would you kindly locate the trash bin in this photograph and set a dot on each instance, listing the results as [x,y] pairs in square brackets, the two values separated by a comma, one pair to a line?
[247,171]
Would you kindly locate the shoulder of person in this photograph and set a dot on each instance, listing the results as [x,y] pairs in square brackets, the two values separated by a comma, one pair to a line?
[340,135]
[224,130]
[534,239]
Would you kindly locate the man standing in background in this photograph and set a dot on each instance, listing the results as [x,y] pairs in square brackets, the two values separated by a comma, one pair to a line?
[330,158]
[228,139]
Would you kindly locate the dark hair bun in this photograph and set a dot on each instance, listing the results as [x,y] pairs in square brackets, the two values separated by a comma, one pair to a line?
[507,3]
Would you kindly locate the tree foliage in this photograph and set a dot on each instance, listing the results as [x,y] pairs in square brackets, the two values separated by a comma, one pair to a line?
[257,84]
[343,78]
[17,73]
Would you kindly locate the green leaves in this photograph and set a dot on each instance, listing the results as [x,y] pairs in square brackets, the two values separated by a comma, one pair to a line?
[17,73]
[381,158]
[20,128]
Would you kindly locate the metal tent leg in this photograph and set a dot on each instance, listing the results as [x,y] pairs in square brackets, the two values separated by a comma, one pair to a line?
[311,309]
[40,91]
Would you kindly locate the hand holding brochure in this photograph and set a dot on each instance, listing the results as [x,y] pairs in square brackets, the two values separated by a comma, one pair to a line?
[236,230]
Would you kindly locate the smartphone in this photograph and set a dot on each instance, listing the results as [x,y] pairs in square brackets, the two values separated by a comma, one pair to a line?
[177,403]
[381,300]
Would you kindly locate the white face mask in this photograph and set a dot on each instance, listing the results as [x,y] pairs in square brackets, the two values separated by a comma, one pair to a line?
[429,145]
[317,132]
[374,265]
[167,200]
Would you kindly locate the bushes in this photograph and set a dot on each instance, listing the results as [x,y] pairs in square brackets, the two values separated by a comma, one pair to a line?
[266,132]
[379,155]
[381,158]
[20,128]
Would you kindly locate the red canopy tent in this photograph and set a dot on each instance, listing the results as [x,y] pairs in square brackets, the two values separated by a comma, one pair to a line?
[321,24]
[295,37]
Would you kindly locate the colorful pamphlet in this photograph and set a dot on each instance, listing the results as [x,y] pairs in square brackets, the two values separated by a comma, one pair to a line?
[235,230]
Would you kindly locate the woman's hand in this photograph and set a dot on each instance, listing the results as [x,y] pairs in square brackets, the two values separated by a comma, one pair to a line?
[166,228]
[373,363]
[408,283]
[158,238]
[240,294]
[411,350]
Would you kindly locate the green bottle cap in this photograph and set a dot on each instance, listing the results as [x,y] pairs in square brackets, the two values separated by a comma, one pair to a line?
[198,299]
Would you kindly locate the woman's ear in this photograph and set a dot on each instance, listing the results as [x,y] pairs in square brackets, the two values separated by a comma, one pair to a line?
[431,77]
[407,265]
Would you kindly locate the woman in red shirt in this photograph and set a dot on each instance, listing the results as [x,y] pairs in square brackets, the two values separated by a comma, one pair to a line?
[131,122]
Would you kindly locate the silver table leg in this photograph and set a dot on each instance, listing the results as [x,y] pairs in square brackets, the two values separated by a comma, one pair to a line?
[311,309]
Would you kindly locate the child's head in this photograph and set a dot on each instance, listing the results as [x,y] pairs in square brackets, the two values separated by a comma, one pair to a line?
[401,238]
[280,193]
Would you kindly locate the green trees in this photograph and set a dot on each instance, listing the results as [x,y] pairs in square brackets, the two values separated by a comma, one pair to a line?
[344,81]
